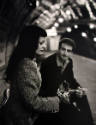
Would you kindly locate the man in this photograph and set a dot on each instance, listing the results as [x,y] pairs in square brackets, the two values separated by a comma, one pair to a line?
[58,68]
[58,78]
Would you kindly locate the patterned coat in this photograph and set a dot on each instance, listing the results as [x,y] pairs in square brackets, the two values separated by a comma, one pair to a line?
[24,101]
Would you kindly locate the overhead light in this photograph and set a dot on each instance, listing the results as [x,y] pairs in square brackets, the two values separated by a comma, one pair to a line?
[37,3]
[57,6]
[83,34]
[57,13]
[68,29]
[91,26]
[53,28]
[45,11]
[61,20]
[56,24]
[94,39]
[76,26]
[37,21]
[68,12]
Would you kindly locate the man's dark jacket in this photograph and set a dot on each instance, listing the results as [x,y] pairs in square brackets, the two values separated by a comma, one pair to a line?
[52,76]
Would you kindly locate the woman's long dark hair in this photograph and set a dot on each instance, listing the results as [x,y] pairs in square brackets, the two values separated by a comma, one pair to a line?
[26,48]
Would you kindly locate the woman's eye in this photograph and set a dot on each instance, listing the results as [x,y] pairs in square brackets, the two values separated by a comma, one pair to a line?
[41,42]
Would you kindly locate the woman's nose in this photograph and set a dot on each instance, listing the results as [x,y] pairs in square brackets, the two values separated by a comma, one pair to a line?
[45,45]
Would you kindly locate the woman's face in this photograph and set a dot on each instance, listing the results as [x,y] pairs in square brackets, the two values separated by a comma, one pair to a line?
[42,46]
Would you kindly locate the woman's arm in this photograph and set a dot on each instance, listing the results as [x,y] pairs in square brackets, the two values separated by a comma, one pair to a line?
[29,85]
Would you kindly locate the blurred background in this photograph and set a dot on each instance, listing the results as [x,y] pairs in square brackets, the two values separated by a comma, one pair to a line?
[75,19]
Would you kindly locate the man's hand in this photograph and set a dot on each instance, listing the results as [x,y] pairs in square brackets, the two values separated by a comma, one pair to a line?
[64,96]
[80,92]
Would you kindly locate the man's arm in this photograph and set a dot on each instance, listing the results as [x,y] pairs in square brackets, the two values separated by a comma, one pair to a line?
[80,92]
[70,76]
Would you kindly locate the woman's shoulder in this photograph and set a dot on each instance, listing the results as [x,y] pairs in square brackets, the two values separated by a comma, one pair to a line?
[28,70]
[28,63]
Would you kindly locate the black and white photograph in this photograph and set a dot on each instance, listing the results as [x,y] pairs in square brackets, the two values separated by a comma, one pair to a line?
[48,62]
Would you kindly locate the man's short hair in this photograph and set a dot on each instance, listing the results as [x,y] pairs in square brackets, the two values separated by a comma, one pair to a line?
[67,41]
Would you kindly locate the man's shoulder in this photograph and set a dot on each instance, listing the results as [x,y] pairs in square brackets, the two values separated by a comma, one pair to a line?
[50,59]
[70,60]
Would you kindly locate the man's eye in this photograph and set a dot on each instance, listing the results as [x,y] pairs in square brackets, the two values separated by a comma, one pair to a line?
[64,49]
[69,51]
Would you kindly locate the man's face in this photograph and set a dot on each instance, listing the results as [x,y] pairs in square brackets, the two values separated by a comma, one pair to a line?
[65,51]
[42,46]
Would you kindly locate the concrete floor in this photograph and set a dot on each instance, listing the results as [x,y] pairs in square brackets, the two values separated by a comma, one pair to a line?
[85,73]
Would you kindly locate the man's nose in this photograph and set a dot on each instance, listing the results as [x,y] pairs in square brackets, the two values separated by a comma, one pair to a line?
[66,52]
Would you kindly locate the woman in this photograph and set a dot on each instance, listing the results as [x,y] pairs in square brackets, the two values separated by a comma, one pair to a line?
[22,72]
